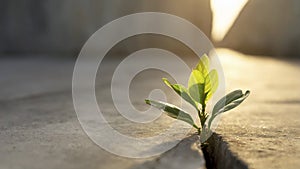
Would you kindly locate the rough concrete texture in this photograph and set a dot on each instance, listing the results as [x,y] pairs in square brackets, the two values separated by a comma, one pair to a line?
[268,28]
[218,155]
[186,154]
[264,131]
[39,127]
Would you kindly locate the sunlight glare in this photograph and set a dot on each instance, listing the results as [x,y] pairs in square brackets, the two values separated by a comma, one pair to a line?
[225,12]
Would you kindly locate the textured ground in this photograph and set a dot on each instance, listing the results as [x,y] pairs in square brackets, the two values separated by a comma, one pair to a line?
[265,130]
[38,124]
[39,127]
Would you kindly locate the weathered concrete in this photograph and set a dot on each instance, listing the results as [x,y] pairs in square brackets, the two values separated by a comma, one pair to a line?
[264,131]
[187,154]
[219,156]
[39,127]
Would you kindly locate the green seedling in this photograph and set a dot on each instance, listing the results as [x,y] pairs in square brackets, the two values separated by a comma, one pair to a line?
[202,84]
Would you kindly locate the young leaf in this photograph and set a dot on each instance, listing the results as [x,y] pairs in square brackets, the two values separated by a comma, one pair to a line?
[228,99]
[227,103]
[197,92]
[182,91]
[196,86]
[211,84]
[198,79]
[172,111]
[203,65]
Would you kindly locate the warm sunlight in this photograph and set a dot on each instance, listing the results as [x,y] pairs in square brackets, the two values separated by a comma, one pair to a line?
[224,15]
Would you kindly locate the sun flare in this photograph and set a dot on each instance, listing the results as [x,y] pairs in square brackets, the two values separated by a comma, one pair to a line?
[225,12]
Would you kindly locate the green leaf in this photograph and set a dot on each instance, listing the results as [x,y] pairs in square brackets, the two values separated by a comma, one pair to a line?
[203,65]
[196,86]
[227,103]
[196,77]
[172,111]
[211,84]
[227,100]
[182,91]
[197,92]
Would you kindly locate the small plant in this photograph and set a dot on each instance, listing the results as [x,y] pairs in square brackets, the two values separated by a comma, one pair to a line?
[202,85]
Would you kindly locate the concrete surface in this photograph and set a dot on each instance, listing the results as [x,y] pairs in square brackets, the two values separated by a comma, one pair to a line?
[182,156]
[264,131]
[39,128]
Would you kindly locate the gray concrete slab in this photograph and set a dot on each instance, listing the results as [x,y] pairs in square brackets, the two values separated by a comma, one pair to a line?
[264,131]
[23,77]
[39,128]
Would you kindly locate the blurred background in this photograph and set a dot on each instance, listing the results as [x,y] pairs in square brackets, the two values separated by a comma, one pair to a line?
[257,41]
[61,27]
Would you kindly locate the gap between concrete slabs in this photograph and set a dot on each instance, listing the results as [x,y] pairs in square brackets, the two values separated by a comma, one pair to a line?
[218,155]
[188,154]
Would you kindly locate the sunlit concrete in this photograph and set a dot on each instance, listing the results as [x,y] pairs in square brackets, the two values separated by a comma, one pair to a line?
[39,128]
[264,131]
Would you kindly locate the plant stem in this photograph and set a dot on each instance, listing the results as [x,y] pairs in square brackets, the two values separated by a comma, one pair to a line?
[201,118]
[202,115]
[198,129]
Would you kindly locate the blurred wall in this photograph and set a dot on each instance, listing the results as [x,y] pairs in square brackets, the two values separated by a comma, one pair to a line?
[62,26]
[267,27]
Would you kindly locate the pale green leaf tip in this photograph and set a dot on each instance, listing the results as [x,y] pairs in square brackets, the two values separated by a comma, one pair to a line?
[204,55]
[166,81]
[203,62]
[204,58]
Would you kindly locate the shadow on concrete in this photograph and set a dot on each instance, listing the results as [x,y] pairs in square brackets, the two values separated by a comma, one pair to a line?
[186,154]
